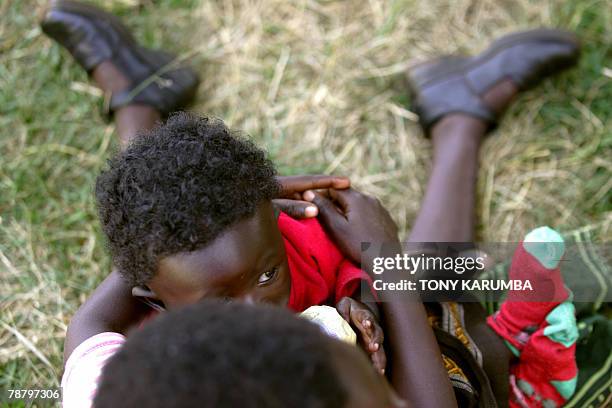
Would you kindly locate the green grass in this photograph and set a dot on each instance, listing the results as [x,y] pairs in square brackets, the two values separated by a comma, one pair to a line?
[336,65]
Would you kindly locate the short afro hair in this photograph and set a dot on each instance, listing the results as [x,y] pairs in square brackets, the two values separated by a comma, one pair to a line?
[176,188]
[220,354]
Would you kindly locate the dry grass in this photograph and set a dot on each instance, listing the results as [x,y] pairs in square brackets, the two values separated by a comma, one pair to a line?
[318,83]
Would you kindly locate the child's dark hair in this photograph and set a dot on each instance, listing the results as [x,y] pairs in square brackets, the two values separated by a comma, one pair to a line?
[219,354]
[176,188]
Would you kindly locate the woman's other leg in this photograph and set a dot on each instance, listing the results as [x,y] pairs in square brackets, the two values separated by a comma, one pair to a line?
[105,48]
[458,99]
[130,119]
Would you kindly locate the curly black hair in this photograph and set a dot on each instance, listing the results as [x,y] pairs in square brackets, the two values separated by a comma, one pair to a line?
[218,354]
[176,188]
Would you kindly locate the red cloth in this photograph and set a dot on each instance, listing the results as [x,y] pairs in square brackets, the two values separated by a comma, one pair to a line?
[320,274]
[523,311]
[544,361]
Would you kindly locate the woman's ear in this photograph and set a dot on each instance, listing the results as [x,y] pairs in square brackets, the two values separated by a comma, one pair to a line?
[143,291]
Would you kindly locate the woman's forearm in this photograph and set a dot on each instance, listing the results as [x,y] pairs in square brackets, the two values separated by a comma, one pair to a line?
[418,372]
[110,308]
[417,369]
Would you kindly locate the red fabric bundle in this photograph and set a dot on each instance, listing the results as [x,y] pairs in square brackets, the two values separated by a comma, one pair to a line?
[320,274]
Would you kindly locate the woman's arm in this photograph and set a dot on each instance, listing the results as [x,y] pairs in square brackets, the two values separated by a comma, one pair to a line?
[417,370]
[110,308]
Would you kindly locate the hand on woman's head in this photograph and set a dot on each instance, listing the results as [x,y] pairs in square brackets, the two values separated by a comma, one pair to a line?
[351,217]
[290,199]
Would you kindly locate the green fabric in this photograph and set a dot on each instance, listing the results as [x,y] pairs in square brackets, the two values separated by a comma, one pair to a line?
[546,245]
[525,387]
[566,388]
[562,324]
[588,273]
[587,276]
[549,404]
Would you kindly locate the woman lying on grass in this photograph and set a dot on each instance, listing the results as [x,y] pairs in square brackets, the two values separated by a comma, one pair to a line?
[180,234]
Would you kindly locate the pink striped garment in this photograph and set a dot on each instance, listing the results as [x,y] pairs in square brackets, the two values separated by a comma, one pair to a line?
[84,366]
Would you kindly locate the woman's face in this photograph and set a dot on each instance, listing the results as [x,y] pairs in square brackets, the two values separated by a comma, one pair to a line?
[246,262]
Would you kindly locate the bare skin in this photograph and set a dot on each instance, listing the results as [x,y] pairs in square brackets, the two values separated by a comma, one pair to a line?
[447,211]
[416,369]
[135,118]
[230,267]
[129,119]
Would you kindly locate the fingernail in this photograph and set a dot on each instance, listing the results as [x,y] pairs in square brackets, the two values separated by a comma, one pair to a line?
[375,346]
[308,195]
[367,323]
[311,211]
[382,371]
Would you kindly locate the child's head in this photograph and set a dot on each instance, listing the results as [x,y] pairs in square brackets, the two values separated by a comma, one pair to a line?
[187,212]
[234,355]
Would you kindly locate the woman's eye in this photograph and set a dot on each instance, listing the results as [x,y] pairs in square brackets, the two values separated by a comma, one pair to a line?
[267,276]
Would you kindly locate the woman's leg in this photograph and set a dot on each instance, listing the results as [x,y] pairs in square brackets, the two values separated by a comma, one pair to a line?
[104,47]
[129,119]
[458,98]
[447,215]
[447,211]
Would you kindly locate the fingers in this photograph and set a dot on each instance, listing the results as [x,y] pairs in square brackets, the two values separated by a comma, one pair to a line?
[373,342]
[372,338]
[299,184]
[344,308]
[341,197]
[379,360]
[329,214]
[349,198]
[296,209]
[370,334]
